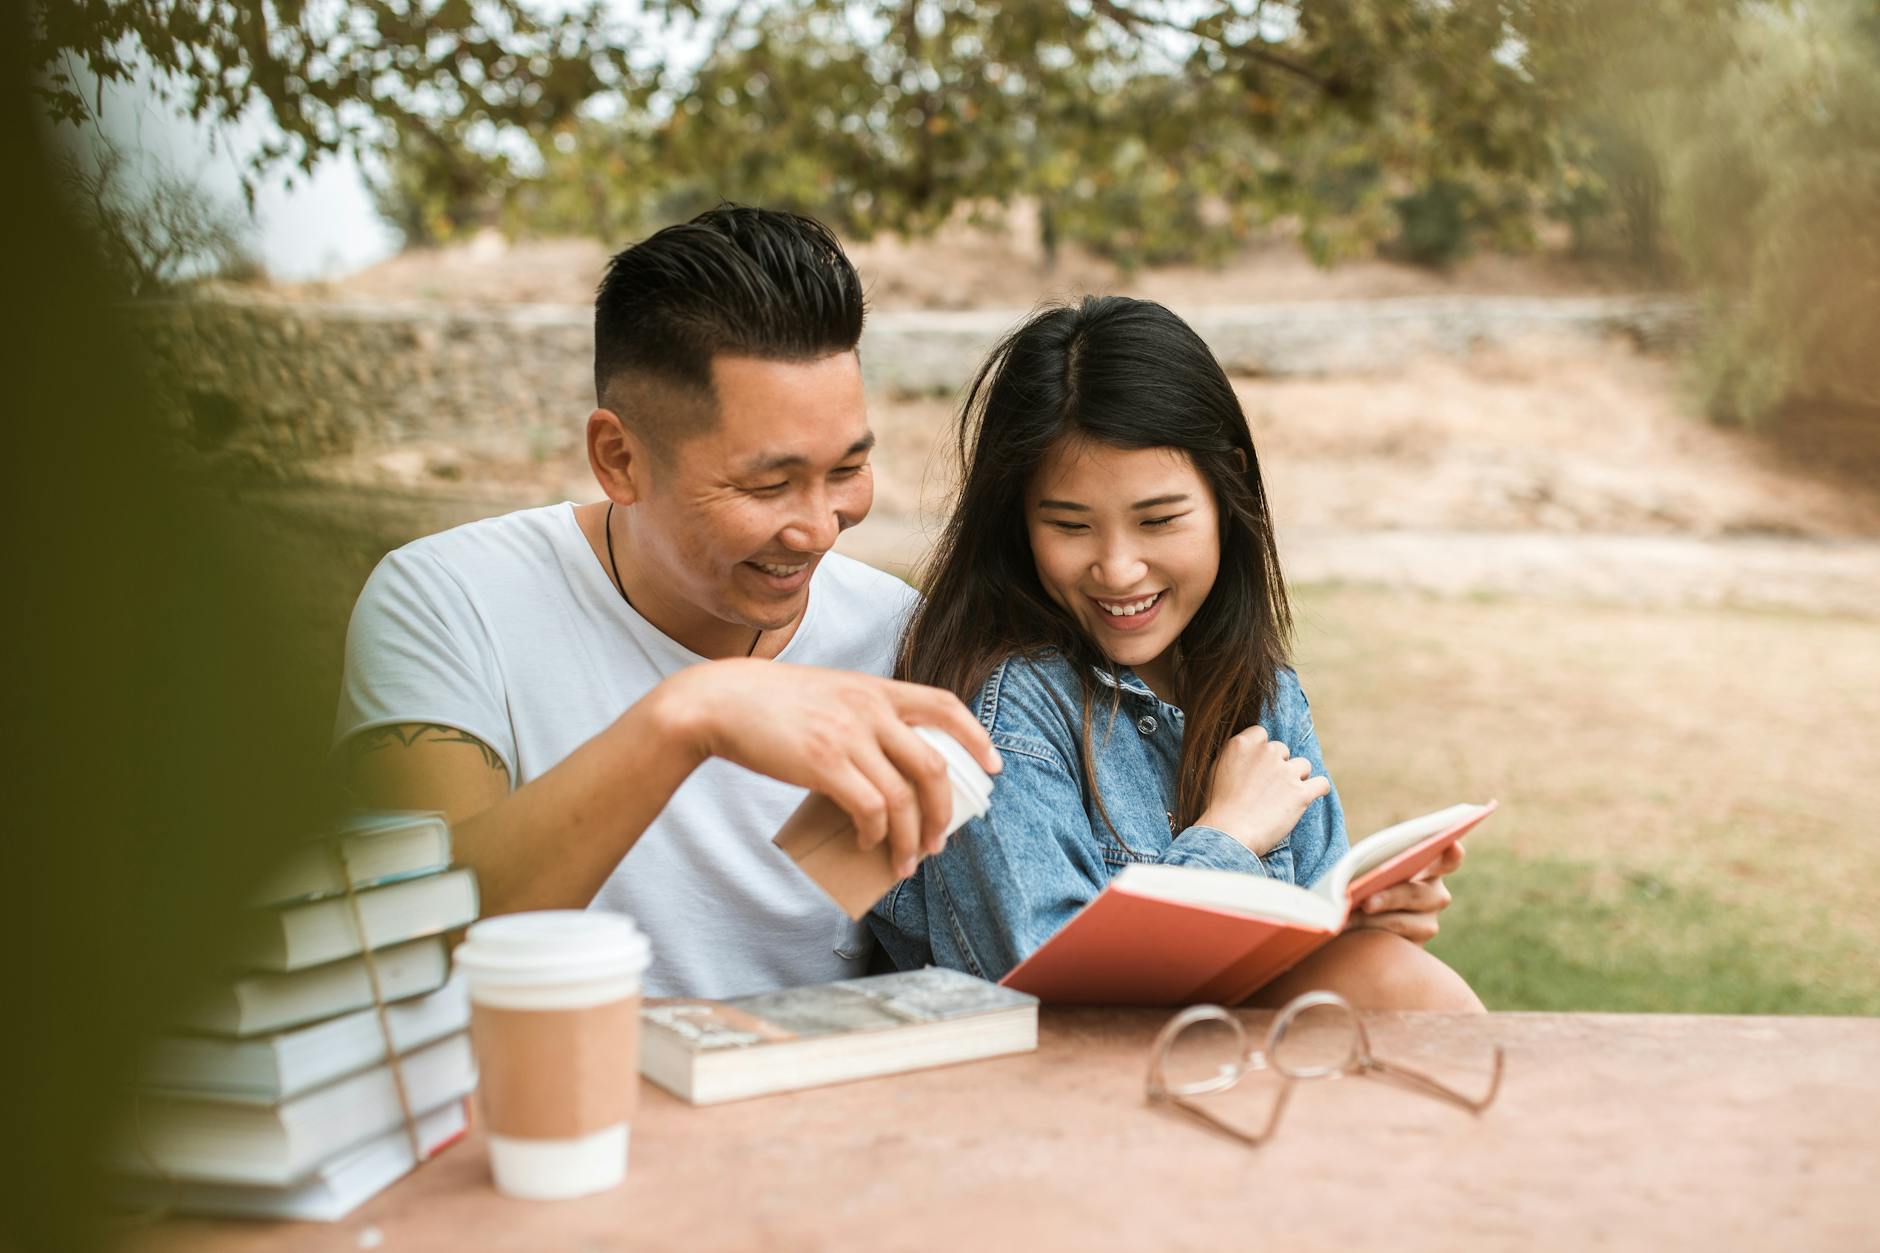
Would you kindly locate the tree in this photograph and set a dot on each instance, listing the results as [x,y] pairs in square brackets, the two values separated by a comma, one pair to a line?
[153,227]
[336,76]
[1145,134]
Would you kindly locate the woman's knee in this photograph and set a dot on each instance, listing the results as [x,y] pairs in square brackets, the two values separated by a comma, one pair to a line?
[1377,970]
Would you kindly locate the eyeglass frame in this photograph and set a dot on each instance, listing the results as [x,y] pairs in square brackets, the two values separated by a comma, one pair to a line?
[1358,1060]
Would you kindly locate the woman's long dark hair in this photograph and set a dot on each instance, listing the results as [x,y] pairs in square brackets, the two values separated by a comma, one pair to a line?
[1131,374]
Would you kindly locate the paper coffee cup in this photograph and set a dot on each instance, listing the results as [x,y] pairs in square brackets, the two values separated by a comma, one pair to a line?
[972,786]
[820,838]
[555,1022]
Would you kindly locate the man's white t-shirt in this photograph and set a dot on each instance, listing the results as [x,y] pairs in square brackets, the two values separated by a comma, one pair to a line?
[510,630]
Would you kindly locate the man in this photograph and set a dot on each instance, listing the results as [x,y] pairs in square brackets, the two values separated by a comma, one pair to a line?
[585,691]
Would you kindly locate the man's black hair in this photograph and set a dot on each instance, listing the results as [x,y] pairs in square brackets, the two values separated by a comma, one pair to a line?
[734,280]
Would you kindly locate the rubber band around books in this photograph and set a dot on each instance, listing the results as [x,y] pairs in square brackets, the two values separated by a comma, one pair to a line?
[418,1155]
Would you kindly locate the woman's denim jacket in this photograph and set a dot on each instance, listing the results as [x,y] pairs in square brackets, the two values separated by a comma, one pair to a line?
[1007,881]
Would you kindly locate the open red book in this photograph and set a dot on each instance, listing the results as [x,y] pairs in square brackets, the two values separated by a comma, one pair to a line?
[1178,935]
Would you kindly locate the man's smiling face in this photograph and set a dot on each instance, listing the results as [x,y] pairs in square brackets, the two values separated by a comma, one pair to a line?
[734,520]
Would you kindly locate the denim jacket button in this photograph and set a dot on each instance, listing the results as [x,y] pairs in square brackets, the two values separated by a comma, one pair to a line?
[1146,724]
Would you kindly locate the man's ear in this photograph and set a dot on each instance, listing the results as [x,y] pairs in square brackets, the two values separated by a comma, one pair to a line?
[618,457]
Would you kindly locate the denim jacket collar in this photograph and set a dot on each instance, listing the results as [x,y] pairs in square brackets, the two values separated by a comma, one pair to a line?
[1129,682]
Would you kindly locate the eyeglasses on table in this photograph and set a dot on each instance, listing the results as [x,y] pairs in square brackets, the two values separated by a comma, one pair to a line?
[1204,1050]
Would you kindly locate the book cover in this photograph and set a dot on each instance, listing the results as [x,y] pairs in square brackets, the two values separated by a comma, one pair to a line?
[798,1037]
[292,937]
[335,1189]
[268,1069]
[1179,935]
[379,847]
[215,1141]
[257,1003]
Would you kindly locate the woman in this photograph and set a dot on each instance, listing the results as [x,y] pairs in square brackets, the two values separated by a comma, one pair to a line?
[1107,597]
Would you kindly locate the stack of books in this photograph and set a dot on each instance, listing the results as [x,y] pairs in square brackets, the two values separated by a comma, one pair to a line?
[276,1096]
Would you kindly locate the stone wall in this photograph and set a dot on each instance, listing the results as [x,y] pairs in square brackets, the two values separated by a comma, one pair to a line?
[281,381]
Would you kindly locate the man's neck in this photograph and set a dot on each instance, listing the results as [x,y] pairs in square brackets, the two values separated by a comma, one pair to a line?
[710,637]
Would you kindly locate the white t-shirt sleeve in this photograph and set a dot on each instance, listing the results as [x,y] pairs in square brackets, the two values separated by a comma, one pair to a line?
[418,651]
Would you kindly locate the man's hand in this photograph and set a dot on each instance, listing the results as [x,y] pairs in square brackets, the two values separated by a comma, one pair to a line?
[842,734]
[1410,908]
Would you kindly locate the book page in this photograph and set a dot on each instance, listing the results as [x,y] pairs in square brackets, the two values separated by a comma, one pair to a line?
[1230,890]
[1381,846]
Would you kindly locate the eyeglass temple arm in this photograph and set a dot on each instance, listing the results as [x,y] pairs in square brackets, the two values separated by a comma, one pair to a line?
[1420,1082]
[1214,1123]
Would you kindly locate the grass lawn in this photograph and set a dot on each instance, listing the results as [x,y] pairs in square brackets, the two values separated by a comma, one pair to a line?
[1690,800]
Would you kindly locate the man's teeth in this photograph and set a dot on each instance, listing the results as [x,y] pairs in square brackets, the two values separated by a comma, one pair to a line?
[1133,607]
[782,572]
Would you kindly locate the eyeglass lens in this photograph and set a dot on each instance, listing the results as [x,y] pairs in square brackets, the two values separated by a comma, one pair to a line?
[1316,1035]
[1203,1050]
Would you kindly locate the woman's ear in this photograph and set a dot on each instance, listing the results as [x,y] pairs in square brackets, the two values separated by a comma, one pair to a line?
[617,456]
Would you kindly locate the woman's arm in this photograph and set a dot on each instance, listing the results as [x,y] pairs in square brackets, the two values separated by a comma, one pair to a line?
[1006,882]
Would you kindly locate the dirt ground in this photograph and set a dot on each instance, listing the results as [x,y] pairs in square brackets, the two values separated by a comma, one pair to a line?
[963,267]
[1549,439]
[1555,468]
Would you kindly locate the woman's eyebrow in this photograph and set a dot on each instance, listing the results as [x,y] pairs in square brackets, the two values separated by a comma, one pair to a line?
[1174,498]
[1064,504]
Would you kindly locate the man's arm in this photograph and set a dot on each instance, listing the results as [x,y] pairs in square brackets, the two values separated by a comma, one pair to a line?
[552,842]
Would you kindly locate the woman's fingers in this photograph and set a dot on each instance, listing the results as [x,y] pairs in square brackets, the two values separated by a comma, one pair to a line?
[1431,897]
[1444,865]
[1418,928]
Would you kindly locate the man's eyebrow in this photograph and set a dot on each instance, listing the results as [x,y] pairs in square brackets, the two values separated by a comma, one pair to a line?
[796,460]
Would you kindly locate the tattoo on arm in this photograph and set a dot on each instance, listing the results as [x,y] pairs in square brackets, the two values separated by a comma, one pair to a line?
[405,734]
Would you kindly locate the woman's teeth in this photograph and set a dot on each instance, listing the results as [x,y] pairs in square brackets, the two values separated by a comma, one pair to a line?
[1129,608]
[782,572]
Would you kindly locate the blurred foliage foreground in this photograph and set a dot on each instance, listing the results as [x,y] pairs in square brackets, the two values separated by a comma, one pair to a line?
[1729,144]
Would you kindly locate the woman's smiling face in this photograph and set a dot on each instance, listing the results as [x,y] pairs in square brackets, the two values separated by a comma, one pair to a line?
[1127,540]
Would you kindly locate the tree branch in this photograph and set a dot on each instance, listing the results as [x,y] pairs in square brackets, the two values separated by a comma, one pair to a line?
[1130,20]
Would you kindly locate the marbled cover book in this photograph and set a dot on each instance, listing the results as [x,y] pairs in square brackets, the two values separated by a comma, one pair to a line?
[876,1003]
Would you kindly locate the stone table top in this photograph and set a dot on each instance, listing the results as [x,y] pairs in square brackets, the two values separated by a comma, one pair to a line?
[1629,1131]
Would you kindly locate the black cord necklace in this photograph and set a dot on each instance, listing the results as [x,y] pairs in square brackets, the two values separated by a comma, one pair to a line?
[614,569]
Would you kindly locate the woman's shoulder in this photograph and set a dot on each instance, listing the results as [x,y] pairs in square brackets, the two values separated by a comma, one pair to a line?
[1034,694]
[1288,713]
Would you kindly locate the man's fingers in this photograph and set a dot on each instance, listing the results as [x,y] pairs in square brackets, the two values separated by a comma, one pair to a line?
[858,797]
[923,767]
[1428,897]
[898,797]
[929,706]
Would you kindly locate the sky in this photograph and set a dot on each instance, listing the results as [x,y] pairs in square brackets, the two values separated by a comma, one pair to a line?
[323,225]
[305,226]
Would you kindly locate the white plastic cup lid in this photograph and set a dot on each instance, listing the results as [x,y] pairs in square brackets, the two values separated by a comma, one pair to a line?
[549,946]
[971,783]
